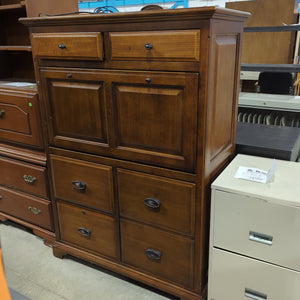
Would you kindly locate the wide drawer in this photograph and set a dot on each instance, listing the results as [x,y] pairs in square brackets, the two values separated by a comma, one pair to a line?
[257,228]
[178,45]
[82,182]
[23,176]
[234,277]
[72,45]
[19,118]
[157,252]
[87,229]
[157,200]
[26,207]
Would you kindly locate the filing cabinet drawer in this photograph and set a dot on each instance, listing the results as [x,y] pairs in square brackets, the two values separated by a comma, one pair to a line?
[72,45]
[26,207]
[157,200]
[257,228]
[176,45]
[87,229]
[157,252]
[19,118]
[23,176]
[235,277]
[82,182]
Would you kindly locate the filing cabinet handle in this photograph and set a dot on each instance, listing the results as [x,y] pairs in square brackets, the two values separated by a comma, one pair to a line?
[255,295]
[153,254]
[34,210]
[61,46]
[2,112]
[29,179]
[148,46]
[260,238]
[79,185]
[84,232]
[152,203]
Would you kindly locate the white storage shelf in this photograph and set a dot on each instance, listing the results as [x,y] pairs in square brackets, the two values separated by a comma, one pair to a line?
[254,235]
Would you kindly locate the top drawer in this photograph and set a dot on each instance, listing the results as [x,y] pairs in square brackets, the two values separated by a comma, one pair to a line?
[179,45]
[73,45]
[258,229]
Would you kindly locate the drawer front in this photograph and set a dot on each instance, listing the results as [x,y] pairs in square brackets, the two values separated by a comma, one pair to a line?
[26,207]
[256,228]
[19,118]
[23,176]
[156,200]
[73,45]
[82,182]
[177,45]
[235,277]
[87,229]
[157,252]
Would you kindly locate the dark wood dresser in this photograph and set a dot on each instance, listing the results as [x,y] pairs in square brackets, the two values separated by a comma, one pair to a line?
[141,115]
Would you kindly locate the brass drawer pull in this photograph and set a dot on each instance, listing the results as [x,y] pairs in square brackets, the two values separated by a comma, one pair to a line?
[152,203]
[153,254]
[34,210]
[2,112]
[148,46]
[84,232]
[62,46]
[79,185]
[29,179]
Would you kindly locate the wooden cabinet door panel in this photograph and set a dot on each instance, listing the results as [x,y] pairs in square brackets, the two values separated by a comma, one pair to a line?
[152,116]
[19,118]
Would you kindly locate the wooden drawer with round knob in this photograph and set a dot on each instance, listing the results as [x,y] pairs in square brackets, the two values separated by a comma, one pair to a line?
[87,229]
[156,200]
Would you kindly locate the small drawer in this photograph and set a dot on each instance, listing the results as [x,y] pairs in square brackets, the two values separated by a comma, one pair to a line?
[87,229]
[176,45]
[26,207]
[82,182]
[157,252]
[235,277]
[23,176]
[157,200]
[257,228]
[72,45]
[19,118]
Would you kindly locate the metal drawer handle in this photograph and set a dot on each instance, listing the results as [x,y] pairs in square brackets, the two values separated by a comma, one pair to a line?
[153,254]
[29,179]
[255,295]
[260,238]
[79,185]
[62,46]
[152,203]
[1,197]
[2,112]
[148,46]
[34,210]
[84,232]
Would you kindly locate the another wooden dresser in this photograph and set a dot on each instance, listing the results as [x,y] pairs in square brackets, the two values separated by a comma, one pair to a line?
[254,244]
[141,115]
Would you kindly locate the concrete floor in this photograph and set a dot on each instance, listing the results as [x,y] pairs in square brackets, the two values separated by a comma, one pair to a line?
[32,270]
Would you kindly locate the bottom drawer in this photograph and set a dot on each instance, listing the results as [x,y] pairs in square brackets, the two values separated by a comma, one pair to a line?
[87,229]
[26,207]
[157,252]
[236,277]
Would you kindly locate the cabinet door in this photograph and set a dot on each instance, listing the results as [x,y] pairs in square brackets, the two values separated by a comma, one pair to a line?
[150,117]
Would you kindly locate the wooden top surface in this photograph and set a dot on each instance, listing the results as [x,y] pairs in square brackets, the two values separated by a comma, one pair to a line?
[145,16]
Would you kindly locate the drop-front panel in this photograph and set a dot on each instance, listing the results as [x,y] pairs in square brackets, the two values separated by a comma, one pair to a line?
[140,112]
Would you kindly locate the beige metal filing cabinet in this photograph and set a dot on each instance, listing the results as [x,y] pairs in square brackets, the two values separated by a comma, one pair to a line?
[255,234]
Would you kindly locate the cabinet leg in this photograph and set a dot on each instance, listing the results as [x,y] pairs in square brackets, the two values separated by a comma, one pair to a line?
[58,252]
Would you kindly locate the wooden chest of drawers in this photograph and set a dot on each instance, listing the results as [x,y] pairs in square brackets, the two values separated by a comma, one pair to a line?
[141,115]
[254,233]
